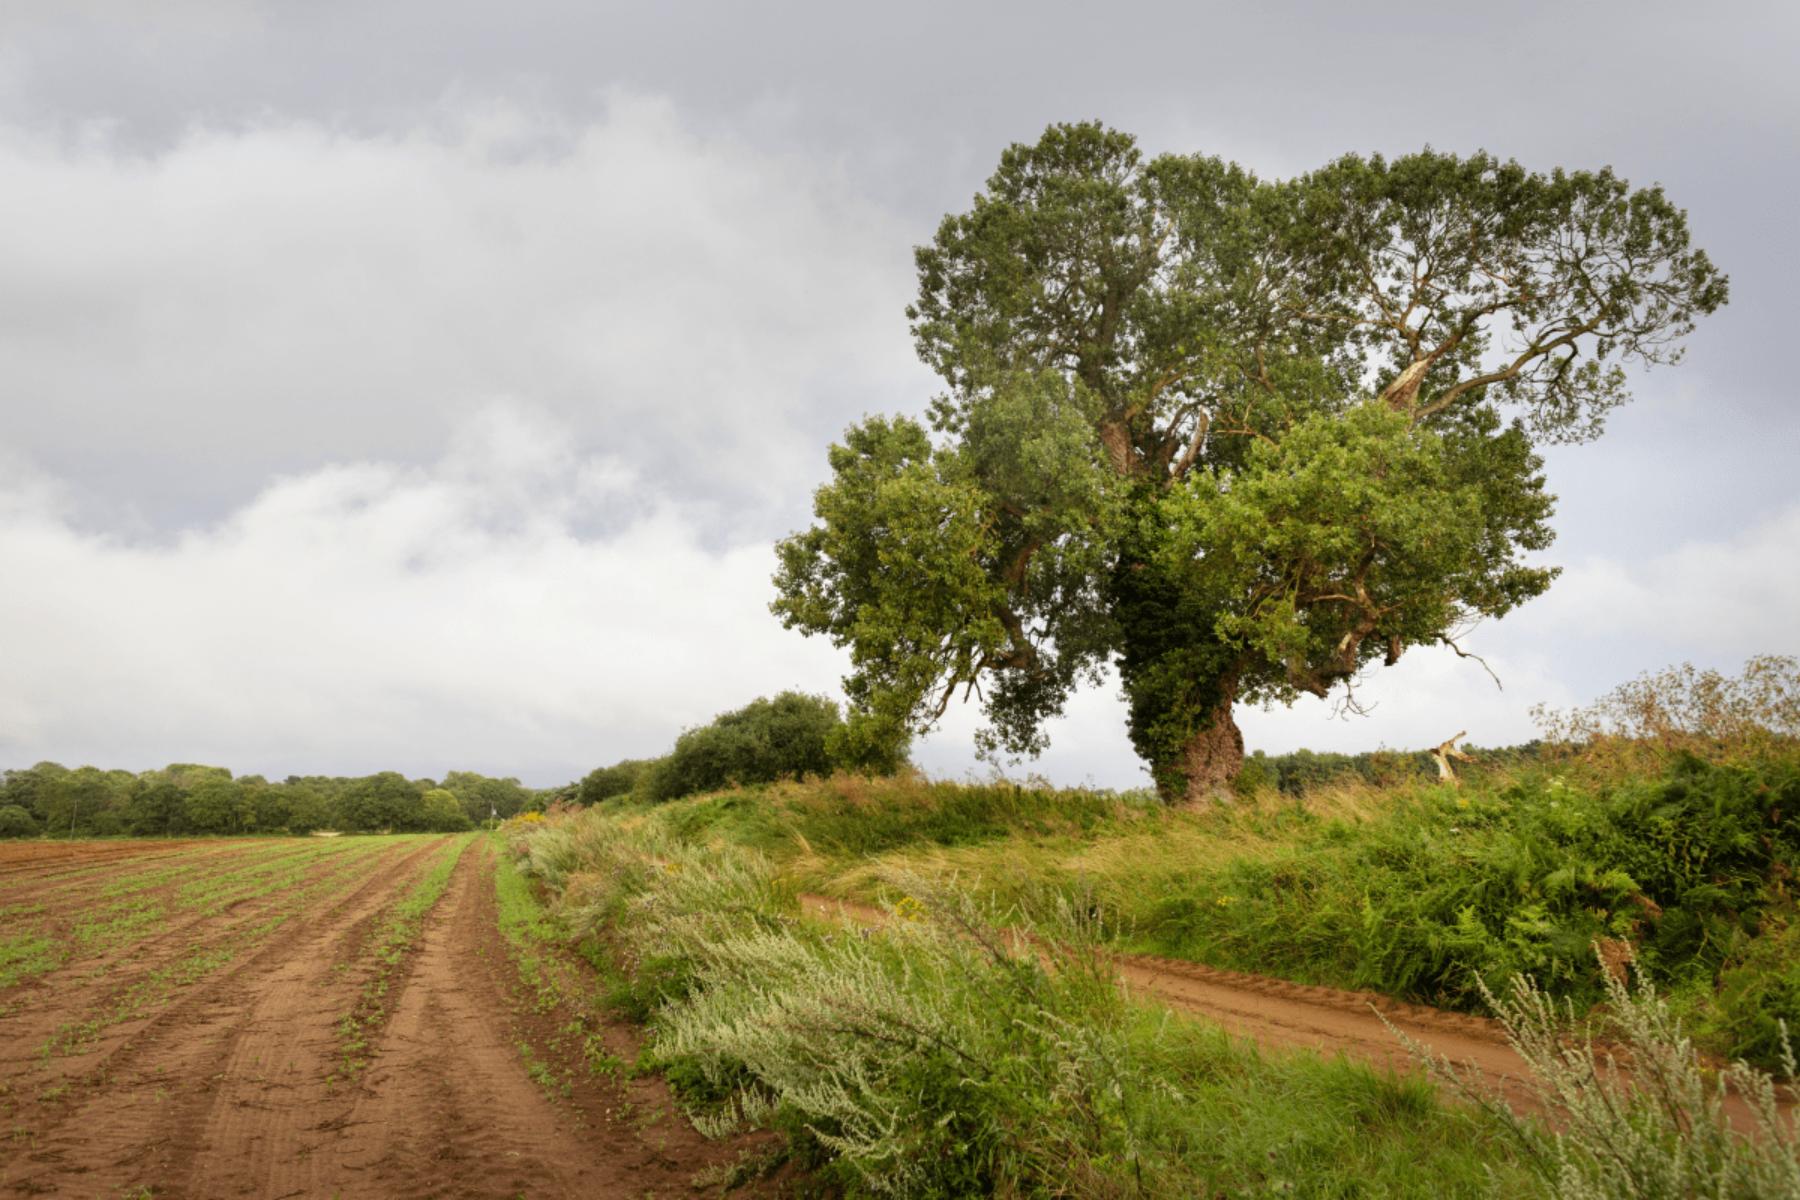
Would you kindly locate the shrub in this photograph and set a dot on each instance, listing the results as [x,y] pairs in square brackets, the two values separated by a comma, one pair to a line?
[1686,709]
[1650,1119]
[16,822]
[759,743]
[606,783]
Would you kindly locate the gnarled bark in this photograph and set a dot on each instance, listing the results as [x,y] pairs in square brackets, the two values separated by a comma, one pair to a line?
[1212,757]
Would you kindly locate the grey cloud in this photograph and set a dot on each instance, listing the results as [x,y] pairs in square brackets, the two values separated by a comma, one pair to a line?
[175,326]
[336,334]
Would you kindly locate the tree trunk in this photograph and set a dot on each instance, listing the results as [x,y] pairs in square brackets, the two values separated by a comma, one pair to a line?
[1213,756]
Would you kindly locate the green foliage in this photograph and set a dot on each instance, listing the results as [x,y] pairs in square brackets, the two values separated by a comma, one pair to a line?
[1357,871]
[16,822]
[607,783]
[386,800]
[1356,535]
[853,816]
[482,796]
[309,808]
[1448,886]
[1759,987]
[792,735]
[937,1058]
[1244,437]
[193,798]
[212,805]
[441,812]
[1302,771]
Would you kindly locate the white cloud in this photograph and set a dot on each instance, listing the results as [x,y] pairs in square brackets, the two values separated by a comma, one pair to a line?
[372,615]
[1734,596]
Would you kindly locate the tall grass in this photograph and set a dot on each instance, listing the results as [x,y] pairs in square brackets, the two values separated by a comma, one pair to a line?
[939,1058]
[1415,890]
[1641,1115]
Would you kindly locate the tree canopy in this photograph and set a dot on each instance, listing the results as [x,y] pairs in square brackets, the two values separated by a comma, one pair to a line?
[1239,438]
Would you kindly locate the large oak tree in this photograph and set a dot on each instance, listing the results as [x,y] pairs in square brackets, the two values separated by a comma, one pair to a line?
[1241,438]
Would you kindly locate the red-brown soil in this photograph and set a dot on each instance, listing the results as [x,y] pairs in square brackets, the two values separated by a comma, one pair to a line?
[21,862]
[237,1085]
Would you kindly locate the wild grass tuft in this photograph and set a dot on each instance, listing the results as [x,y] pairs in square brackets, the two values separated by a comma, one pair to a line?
[1640,1114]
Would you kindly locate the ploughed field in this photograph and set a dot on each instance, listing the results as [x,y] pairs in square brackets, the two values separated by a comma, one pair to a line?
[293,1018]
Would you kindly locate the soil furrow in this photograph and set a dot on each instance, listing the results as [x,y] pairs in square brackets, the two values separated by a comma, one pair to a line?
[123,1112]
[449,1109]
[84,969]
[236,1085]
[34,1009]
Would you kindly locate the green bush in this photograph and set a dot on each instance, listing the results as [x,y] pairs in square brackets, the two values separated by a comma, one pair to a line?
[607,783]
[763,741]
[16,822]
[1447,885]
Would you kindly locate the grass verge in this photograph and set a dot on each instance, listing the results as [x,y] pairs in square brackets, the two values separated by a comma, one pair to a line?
[936,1058]
[1415,890]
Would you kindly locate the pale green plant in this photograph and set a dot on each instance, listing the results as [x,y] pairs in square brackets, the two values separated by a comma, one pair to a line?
[1639,1115]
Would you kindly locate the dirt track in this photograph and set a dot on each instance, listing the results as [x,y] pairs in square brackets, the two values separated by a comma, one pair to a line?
[1278,1014]
[237,1085]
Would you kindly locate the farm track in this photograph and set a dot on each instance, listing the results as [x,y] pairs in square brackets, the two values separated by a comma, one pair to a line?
[239,1084]
[1279,1014]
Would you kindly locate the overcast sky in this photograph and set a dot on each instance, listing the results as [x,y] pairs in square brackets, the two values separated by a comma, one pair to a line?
[422,385]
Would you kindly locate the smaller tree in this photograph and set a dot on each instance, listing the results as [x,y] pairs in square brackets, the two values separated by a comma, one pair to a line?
[791,735]
[16,822]
[605,783]
[441,812]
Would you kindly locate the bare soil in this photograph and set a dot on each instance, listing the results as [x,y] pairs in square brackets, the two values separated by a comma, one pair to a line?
[238,1085]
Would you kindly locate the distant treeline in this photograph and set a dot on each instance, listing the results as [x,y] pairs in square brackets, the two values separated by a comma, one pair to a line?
[188,798]
[792,735]
[1299,772]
